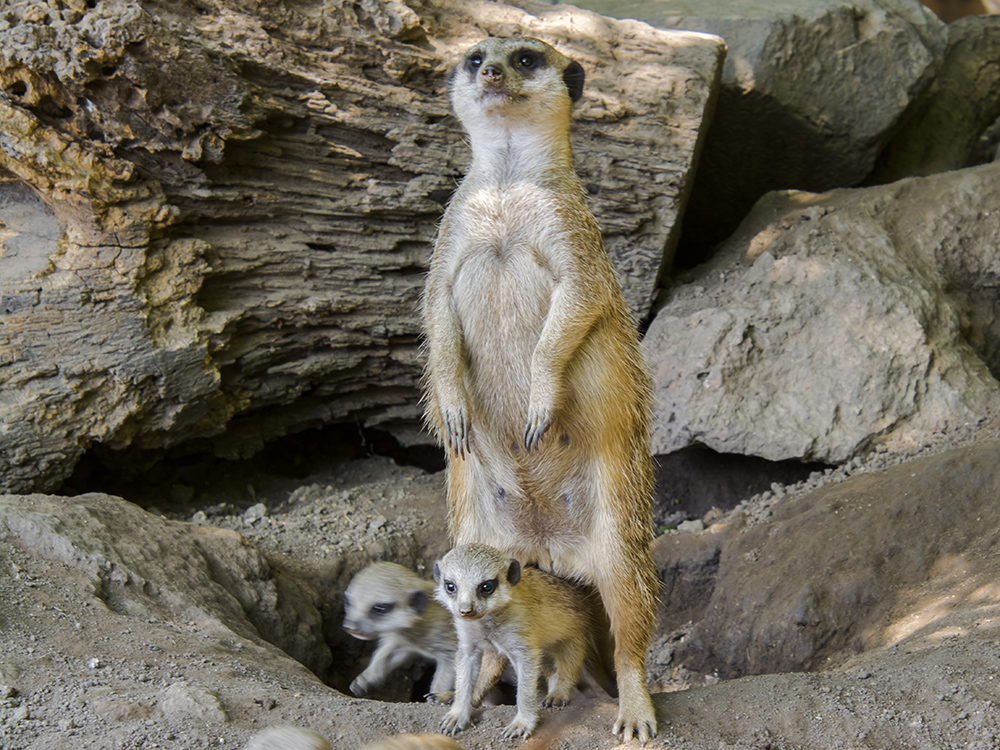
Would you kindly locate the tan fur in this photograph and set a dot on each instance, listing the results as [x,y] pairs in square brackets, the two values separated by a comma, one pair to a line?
[521,614]
[393,604]
[534,382]
[415,742]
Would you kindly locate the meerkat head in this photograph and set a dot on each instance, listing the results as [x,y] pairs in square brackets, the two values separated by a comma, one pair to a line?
[384,598]
[514,81]
[474,580]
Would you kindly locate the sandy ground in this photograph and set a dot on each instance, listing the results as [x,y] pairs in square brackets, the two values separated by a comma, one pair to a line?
[96,652]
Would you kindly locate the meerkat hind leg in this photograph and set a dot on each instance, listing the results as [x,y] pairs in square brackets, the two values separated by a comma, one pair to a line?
[568,661]
[491,669]
[631,624]
[444,677]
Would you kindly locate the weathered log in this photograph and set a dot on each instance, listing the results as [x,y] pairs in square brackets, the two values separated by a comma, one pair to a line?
[217,215]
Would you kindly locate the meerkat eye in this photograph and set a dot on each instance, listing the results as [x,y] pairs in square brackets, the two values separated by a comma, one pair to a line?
[526,60]
[380,610]
[486,588]
[475,60]
[449,587]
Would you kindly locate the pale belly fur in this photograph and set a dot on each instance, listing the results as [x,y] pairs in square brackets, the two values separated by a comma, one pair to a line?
[536,505]
[501,294]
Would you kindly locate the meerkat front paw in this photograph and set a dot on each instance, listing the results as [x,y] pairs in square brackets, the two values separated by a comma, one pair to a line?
[539,419]
[453,722]
[520,727]
[642,727]
[456,430]
[557,700]
[360,687]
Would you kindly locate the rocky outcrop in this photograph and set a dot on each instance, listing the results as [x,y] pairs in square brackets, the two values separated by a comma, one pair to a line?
[811,93]
[216,219]
[142,566]
[944,128]
[832,324]
[890,556]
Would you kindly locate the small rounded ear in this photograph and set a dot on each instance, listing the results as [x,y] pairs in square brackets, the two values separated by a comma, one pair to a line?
[436,572]
[574,76]
[514,572]
[418,600]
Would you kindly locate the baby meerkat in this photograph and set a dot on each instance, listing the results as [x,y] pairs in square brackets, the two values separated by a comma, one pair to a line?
[535,382]
[521,613]
[393,604]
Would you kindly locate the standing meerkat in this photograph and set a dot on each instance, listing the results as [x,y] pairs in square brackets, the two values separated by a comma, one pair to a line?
[523,615]
[393,604]
[534,382]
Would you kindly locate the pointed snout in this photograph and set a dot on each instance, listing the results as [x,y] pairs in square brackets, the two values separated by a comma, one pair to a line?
[355,630]
[492,73]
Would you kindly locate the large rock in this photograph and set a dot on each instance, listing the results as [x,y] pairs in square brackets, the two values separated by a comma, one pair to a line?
[944,129]
[834,323]
[811,92]
[859,566]
[216,223]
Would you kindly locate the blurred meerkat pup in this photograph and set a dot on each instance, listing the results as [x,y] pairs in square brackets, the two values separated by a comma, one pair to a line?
[415,742]
[535,382]
[523,614]
[393,604]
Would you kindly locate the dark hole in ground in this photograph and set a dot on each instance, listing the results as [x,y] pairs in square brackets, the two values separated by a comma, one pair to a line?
[693,481]
[178,483]
[186,479]
[182,481]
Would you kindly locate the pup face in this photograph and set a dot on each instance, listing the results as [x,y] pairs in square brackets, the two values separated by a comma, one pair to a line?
[475,580]
[517,79]
[383,598]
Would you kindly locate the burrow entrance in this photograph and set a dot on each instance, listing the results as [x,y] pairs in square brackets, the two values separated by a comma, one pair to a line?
[691,485]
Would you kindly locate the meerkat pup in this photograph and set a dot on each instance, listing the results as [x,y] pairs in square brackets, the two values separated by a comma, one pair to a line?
[393,604]
[523,614]
[534,381]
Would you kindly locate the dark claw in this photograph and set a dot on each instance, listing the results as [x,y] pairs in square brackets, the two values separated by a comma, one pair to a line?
[441,699]
[456,435]
[533,435]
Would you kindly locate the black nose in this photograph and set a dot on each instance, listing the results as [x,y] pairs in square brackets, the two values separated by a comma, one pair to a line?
[492,73]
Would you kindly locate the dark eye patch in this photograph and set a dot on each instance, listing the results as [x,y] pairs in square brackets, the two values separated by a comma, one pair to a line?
[381,610]
[487,588]
[527,60]
[474,61]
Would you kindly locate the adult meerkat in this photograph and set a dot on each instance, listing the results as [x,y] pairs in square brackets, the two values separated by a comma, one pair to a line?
[522,614]
[534,381]
[393,604]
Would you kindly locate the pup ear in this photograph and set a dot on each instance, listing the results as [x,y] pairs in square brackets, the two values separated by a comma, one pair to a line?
[436,572]
[514,572]
[573,77]
[418,600]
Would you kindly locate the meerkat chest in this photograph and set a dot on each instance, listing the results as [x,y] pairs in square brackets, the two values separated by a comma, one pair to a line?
[511,230]
[507,239]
